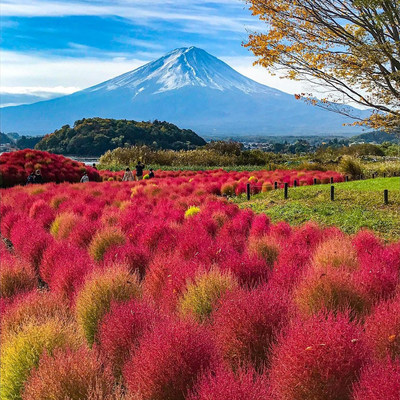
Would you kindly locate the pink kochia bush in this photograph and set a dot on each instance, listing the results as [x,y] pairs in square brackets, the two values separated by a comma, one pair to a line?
[247,323]
[318,359]
[222,305]
[224,385]
[69,374]
[121,330]
[169,361]
[17,165]
[380,380]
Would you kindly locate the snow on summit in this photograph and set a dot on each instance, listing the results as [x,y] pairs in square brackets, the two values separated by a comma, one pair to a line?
[183,67]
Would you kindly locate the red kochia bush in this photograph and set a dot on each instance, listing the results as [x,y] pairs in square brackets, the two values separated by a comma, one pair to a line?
[318,359]
[122,328]
[17,165]
[383,328]
[247,323]
[380,381]
[68,374]
[169,360]
[226,385]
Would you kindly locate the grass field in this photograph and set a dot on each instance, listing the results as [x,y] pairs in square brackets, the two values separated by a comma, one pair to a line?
[357,205]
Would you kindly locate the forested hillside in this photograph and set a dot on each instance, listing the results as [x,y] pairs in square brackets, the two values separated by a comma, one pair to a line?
[94,136]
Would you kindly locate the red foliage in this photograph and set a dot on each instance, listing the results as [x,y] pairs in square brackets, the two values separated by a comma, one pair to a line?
[318,359]
[17,165]
[380,381]
[122,328]
[247,323]
[224,385]
[169,361]
[383,328]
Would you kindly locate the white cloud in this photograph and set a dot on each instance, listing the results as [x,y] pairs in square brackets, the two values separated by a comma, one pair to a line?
[195,14]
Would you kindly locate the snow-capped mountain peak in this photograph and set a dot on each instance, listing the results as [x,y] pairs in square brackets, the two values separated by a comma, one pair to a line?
[182,67]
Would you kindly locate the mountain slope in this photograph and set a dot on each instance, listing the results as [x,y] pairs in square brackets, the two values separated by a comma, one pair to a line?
[187,87]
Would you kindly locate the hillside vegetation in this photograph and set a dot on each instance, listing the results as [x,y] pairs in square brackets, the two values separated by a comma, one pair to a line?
[95,136]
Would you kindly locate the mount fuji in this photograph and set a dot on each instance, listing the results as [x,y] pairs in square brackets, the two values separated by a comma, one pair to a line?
[188,87]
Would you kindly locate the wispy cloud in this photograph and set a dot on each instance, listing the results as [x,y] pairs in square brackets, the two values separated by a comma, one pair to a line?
[193,14]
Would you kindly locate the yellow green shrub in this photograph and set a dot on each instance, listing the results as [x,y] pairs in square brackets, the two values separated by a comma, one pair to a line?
[191,211]
[201,294]
[103,240]
[99,291]
[63,225]
[21,352]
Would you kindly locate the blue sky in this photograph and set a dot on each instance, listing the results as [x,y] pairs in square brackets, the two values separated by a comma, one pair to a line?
[51,47]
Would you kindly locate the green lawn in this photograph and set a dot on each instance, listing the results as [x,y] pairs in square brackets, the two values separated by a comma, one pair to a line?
[357,205]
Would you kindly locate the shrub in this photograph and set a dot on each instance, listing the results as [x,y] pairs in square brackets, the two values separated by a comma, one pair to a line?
[334,291]
[68,374]
[103,240]
[41,211]
[224,385]
[201,294]
[382,328]
[318,359]
[21,352]
[191,211]
[100,289]
[35,308]
[17,165]
[336,253]
[246,324]
[169,361]
[16,277]
[265,247]
[350,166]
[379,381]
[63,224]
[122,328]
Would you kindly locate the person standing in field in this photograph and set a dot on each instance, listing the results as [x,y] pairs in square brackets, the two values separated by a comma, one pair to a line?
[38,178]
[151,173]
[139,171]
[31,178]
[128,176]
[85,178]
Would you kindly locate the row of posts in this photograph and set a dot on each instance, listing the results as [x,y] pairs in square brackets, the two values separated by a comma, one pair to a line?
[332,191]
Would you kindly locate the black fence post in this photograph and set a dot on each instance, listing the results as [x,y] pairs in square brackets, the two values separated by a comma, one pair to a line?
[295,183]
[315,181]
[346,178]
[333,193]
[275,185]
[386,196]
[248,191]
[384,174]
[286,190]
[331,179]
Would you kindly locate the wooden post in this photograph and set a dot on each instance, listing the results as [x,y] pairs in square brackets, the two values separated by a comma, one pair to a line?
[333,193]
[275,185]
[386,196]
[346,178]
[373,175]
[295,183]
[384,174]
[248,191]
[331,179]
[315,181]
[286,190]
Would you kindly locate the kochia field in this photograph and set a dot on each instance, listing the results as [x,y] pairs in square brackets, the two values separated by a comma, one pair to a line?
[164,290]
